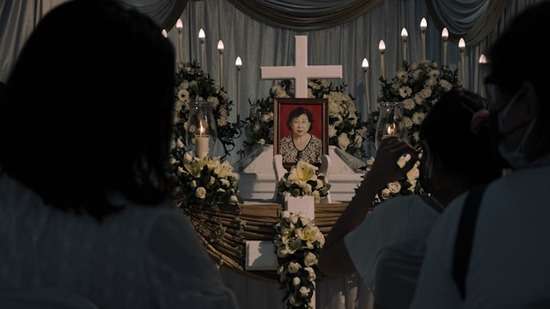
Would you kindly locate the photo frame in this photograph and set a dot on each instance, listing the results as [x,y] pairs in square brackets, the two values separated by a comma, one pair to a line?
[289,133]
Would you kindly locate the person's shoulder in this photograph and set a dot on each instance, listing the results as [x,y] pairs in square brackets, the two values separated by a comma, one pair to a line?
[286,139]
[315,140]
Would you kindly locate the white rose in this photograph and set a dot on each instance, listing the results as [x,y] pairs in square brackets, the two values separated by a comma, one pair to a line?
[394,187]
[417,118]
[310,259]
[358,139]
[403,160]
[433,74]
[311,273]
[212,180]
[213,102]
[296,281]
[283,252]
[402,76]
[261,141]
[430,82]
[425,93]
[404,92]
[418,99]
[222,121]
[333,107]
[179,143]
[234,199]
[406,122]
[304,291]
[445,85]
[408,104]
[294,267]
[343,141]
[332,131]
[286,214]
[266,118]
[294,218]
[280,92]
[181,170]
[200,192]
[193,184]
[225,183]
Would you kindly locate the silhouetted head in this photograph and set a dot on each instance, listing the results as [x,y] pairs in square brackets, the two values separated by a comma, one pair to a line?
[457,143]
[518,86]
[89,108]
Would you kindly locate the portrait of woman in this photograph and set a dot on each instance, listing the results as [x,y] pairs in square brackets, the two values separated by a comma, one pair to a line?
[301,132]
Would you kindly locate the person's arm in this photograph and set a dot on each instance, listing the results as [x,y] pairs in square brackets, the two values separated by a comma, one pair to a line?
[334,258]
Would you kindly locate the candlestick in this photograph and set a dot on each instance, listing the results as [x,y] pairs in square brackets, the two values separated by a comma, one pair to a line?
[179,47]
[423,27]
[404,38]
[202,39]
[365,66]
[220,58]
[201,139]
[462,48]
[238,64]
[445,37]
[382,49]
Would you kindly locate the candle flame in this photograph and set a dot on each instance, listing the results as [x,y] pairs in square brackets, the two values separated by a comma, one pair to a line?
[404,33]
[482,59]
[365,64]
[423,24]
[238,62]
[179,24]
[382,46]
[164,33]
[220,45]
[445,34]
[392,129]
[202,34]
[201,129]
[462,44]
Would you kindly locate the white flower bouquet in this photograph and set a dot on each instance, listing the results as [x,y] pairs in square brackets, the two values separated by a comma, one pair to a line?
[303,179]
[416,89]
[298,243]
[207,182]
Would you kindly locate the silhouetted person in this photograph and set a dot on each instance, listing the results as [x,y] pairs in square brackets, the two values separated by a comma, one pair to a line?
[85,205]
[489,250]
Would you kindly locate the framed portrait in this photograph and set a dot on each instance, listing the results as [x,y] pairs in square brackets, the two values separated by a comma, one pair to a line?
[301,130]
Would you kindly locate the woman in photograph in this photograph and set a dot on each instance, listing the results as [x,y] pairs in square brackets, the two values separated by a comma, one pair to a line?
[300,144]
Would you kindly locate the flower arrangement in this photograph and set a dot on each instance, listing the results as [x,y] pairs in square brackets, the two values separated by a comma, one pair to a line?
[417,88]
[298,243]
[303,179]
[345,127]
[207,182]
[406,185]
[191,82]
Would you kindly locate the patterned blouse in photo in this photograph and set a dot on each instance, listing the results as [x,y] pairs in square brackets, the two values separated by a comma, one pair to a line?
[311,153]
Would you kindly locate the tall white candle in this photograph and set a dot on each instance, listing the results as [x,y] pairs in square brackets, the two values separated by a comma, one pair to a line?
[423,27]
[179,47]
[220,61]
[202,39]
[382,49]
[404,39]
[462,49]
[365,66]
[238,64]
[445,38]
[201,139]
[482,66]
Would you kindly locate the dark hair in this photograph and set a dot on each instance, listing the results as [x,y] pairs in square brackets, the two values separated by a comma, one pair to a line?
[447,129]
[297,112]
[89,109]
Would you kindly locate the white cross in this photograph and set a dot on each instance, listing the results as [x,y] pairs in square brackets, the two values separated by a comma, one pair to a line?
[301,72]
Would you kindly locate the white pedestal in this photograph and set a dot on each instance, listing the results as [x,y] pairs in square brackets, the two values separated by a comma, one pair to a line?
[257,178]
[303,205]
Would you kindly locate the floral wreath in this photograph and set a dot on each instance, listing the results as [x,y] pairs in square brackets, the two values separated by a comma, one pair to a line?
[298,243]
[345,127]
[191,82]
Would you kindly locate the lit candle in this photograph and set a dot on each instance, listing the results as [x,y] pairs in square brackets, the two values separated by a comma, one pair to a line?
[482,63]
[220,63]
[201,139]
[382,49]
[179,48]
[365,66]
[404,38]
[238,64]
[462,48]
[164,33]
[445,37]
[202,39]
[423,27]
[482,59]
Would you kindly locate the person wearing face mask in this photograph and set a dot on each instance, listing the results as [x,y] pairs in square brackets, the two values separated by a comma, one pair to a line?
[487,250]
[300,144]
[455,157]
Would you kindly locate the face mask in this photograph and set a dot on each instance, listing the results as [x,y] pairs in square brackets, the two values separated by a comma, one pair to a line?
[515,125]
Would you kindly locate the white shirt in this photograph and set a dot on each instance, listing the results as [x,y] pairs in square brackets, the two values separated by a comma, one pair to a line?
[510,260]
[402,222]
